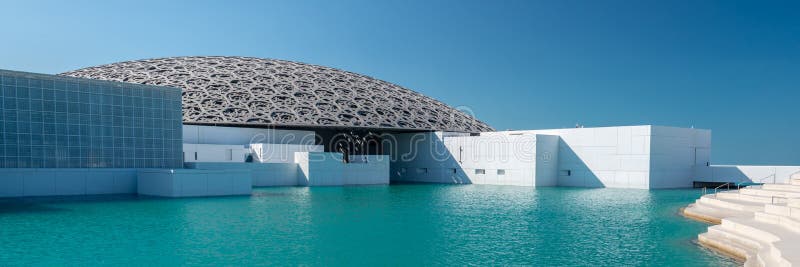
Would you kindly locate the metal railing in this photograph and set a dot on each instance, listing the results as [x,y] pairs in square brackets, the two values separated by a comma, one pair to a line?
[727,185]
[774,178]
[772,200]
[793,174]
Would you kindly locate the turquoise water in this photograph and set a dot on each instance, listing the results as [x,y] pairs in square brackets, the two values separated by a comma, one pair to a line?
[371,225]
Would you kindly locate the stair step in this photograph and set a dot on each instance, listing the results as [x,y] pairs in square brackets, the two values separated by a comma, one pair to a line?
[793,202]
[770,192]
[711,214]
[745,227]
[787,222]
[754,252]
[783,210]
[729,244]
[751,198]
[733,204]
[784,187]
[784,242]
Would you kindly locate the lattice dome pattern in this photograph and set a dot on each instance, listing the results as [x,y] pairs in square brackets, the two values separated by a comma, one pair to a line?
[268,92]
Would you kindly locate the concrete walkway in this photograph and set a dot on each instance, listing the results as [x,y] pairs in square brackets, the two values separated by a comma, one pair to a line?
[759,225]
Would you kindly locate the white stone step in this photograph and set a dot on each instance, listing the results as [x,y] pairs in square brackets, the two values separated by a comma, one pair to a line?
[783,210]
[733,204]
[730,244]
[751,198]
[794,180]
[784,242]
[712,214]
[745,227]
[784,221]
[754,252]
[793,202]
[784,187]
[770,192]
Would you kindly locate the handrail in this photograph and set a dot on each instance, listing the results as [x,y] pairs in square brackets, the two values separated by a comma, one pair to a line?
[774,178]
[772,200]
[790,175]
[720,186]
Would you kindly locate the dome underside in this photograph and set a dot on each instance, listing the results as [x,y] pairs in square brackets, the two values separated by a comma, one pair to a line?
[266,92]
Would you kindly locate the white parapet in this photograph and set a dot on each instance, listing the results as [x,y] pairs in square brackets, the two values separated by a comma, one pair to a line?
[280,153]
[214,153]
[194,182]
[263,174]
[203,134]
[329,169]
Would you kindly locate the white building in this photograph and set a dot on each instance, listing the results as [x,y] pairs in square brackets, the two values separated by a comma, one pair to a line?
[642,157]
[276,157]
[288,123]
[645,157]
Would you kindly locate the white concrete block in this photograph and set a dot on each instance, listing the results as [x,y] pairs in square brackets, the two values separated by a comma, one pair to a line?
[640,145]
[640,130]
[194,183]
[634,163]
[638,180]
[214,153]
[621,179]
[596,156]
[606,136]
[624,141]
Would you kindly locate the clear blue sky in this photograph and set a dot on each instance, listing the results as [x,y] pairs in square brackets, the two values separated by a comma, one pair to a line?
[732,67]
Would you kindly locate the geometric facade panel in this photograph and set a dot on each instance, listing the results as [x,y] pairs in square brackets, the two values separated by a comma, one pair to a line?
[51,121]
[268,92]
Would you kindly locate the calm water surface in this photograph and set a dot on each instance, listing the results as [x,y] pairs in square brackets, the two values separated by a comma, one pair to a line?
[371,225]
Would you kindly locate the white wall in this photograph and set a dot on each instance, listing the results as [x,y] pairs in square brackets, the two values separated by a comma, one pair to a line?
[758,174]
[366,170]
[198,134]
[280,153]
[328,169]
[263,174]
[73,181]
[480,160]
[546,173]
[629,156]
[194,183]
[617,157]
[214,153]
[424,158]
[676,156]
[510,159]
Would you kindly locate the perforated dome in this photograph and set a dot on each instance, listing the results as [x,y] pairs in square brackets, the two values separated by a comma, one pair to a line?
[268,92]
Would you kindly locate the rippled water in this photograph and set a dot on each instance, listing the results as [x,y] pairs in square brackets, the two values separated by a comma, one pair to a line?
[372,225]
